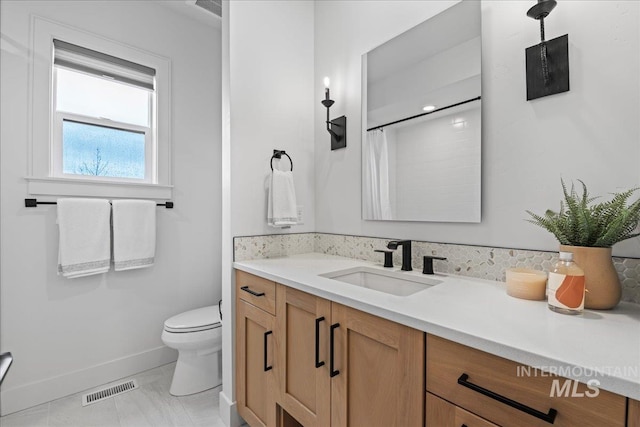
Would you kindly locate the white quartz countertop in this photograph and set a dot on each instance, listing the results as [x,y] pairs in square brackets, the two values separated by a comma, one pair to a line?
[597,345]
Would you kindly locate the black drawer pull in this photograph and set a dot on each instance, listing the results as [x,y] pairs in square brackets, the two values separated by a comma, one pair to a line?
[318,362]
[266,367]
[549,417]
[254,293]
[332,372]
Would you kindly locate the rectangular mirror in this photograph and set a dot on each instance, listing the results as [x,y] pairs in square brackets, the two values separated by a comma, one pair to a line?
[421,144]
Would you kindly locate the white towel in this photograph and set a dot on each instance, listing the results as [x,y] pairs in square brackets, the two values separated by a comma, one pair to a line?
[134,234]
[282,210]
[84,244]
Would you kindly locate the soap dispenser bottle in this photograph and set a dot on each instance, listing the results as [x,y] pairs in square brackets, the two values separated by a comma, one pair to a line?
[566,286]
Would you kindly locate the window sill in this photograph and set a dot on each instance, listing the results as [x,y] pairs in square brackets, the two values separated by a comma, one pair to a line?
[90,188]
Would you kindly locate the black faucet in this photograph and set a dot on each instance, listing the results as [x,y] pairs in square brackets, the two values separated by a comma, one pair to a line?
[406,252]
[388,257]
[428,263]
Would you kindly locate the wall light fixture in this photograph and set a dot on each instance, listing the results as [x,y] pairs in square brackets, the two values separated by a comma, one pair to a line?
[548,62]
[336,127]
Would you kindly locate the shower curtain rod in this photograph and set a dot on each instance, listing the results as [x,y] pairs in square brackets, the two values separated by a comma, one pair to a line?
[424,114]
[32,203]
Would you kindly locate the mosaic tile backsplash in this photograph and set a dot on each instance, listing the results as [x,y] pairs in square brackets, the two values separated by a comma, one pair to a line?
[473,261]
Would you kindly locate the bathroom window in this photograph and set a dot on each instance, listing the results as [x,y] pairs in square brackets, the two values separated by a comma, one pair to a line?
[104,116]
[100,116]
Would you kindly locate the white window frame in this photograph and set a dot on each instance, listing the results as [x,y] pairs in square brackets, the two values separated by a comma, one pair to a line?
[46,128]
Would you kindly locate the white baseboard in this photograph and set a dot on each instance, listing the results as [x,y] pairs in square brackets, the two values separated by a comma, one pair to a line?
[229,412]
[36,393]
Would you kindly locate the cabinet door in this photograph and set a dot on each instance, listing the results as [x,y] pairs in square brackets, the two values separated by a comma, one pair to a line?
[634,413]
[378,372]
[302,355]
[255,381]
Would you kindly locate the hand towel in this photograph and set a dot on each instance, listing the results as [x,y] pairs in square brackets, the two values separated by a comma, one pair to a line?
[282,210]
[85,233]
[134,234]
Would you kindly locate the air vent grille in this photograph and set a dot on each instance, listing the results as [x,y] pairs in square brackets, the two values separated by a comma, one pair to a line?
[213,6]
[106,393]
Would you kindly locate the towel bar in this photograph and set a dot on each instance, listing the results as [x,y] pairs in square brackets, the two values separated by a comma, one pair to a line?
[277,154]
[32,203]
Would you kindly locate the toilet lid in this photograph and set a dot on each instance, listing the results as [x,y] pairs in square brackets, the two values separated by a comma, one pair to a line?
[199,319]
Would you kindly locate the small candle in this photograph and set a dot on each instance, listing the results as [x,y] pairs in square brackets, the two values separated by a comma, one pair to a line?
[526,283]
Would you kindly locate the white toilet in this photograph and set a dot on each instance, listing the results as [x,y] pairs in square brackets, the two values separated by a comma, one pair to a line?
[197,335]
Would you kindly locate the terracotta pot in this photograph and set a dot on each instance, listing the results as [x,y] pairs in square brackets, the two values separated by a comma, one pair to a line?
[601,278]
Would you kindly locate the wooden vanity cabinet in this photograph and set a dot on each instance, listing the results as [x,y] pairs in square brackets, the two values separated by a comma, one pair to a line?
[377,365]
[302,360]
[256,384]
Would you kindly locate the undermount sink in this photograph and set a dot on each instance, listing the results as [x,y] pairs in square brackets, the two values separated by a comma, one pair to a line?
[390,282]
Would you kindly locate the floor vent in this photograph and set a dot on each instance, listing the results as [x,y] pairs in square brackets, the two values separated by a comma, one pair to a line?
[106,393]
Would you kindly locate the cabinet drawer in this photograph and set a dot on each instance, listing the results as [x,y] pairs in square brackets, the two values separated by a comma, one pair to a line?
[256,291]
[483,384]
[441,413]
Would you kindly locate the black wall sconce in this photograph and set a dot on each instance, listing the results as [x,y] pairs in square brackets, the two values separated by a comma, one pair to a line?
[336,127]
[547,62]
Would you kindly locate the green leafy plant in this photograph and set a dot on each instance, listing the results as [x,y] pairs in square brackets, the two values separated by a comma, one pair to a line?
[580,222]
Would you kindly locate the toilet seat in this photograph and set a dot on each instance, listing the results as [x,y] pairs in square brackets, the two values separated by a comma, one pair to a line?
[200,319]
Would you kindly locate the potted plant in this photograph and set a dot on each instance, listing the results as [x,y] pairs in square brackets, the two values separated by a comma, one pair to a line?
[589,230]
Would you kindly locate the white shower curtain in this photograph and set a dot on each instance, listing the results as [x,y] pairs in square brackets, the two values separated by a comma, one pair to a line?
[377,204]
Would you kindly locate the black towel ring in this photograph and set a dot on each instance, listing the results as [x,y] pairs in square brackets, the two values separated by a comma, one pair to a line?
[277,154]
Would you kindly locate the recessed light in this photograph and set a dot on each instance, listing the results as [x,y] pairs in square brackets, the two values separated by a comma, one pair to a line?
[429,108]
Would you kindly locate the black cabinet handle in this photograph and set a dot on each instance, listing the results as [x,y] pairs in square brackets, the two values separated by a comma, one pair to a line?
[549,417]
[332,372]
[266,367]
[318,362]
[254,293]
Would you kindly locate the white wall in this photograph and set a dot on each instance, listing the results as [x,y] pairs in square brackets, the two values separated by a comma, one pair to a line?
[590,133]
[271,47]
[68,335]
[270,105]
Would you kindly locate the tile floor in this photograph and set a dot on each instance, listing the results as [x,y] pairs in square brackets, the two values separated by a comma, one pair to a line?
[149,405]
